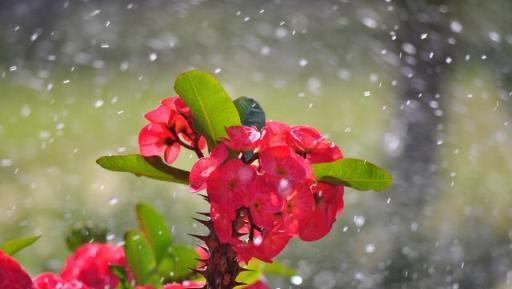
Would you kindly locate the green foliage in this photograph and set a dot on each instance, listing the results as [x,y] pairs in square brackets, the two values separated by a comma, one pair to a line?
[250,111]
[12,247]
[357,174]
[140,258]
[124,280]
[83,233]
[151,167]
[153,224]
[210,104]
[257,268]
[181,258]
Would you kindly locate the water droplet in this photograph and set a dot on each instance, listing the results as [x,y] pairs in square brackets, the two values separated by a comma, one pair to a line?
[153,56]
[113,201]
[217,70]
[98,103]
[303,62]
[296,280]
[456,26]
[369,248]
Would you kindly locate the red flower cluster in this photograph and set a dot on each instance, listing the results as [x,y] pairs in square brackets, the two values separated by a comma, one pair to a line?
[269,194]
[168,130]
[12,276]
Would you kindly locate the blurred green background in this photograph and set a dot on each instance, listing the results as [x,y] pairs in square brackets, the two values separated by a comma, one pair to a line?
[420,87]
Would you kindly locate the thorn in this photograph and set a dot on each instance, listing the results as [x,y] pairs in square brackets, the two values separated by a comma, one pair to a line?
[202,238]
[197,271]
[205,223]
[203,214]
[205,197]
[236,283]
[200,260]
[205,249]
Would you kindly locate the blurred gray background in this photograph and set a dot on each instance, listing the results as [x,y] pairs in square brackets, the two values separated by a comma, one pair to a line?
[421,87]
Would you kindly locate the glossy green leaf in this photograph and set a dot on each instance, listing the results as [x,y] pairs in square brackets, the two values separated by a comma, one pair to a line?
[211,106]
[180,259]
[151,167]
[85,232]
[250,111]
[140,258]
[357,174]
[278,269]
[12,247]
[154,226]
[122,275]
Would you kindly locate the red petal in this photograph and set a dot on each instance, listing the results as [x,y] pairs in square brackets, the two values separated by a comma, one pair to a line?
[171,153]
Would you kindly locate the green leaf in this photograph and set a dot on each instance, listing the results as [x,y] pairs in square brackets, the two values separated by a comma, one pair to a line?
[140,258]
[358,174]
[211,106]
[178,262]
[153,224]
[250,111]
[151,167]
[122,275]
[259,268]
[83,233]
[12,247]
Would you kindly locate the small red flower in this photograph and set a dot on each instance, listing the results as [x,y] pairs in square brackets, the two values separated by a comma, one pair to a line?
[229,185]
[155,139]
[12,275]
[242,138]
[309,143]
[280,162]
[53,281]
[258,285]
[328,204]
[169,129]
[275,133]
[90,265]
[203,168]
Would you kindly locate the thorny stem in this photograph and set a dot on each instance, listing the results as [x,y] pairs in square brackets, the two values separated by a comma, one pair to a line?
[221,268]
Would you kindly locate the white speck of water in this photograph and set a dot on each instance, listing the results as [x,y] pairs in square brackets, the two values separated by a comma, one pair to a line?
[98,103]
[95,12]
[359,220]
[456,26]
[367,93]
[388,201]
[281,32]
[303,62]
[217,70]
[34,36]
[484,56]
[423,35]
[265,50]
[13,68]
[409,48]
[5,163]
[369,248]
[113,201]
[370,22]
[66,81]
[494,36]
[153,56]
[247,18]
[60,126]
[124,66]
[105,45]
[296,280]
[344,74]
[25,111]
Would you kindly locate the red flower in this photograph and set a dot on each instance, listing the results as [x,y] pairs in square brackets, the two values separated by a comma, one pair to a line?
[242,138]
[155,139]
[203,168]
[169,129]
[328,204]
[12,275]
[309,143]
[229,185]
[258,285]
[280,162]
[274,134]
[90,264]
[52,281]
